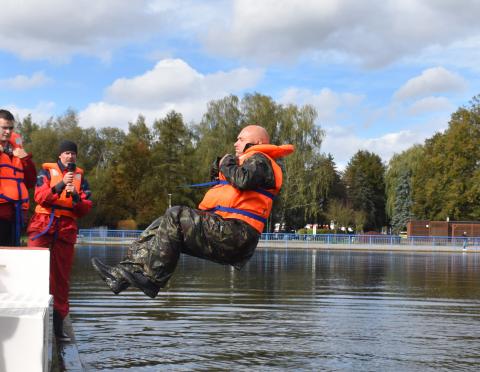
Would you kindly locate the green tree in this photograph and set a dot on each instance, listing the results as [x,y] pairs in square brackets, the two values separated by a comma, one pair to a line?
[446,184]
[109,206]
[216,133]
[172,162]
[364,179]
[132,174]
[401,170]
[25,128]
[402,208]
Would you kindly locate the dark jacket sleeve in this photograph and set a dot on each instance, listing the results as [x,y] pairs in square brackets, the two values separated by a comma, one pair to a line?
[30,173]
[255,172]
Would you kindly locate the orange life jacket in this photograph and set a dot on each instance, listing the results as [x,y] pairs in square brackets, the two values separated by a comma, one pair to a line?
[251,206]
[12,186]
[63,206]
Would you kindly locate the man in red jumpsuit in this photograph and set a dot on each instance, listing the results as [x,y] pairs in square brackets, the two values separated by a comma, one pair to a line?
[62,195]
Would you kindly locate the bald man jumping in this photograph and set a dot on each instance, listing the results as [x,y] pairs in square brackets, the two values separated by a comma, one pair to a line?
[225,228]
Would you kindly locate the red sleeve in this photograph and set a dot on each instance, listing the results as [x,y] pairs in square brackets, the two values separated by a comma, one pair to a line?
[30,173]
[43,193]
[84,205]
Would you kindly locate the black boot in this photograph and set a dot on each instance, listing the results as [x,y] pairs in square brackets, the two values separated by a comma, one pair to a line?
[139,280]
[58,327]
[111,276]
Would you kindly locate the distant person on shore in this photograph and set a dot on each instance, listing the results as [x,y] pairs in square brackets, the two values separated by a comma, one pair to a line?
[225,228]
[465,240]
[62,195]
[17,174]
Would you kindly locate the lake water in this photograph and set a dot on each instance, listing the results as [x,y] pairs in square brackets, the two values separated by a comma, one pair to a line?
[286,310]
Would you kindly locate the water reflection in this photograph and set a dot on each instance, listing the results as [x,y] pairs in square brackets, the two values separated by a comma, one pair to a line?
[287,309]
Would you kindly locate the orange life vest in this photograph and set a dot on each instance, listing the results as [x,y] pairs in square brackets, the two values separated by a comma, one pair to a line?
[63,206]
[251,206]
[12,186]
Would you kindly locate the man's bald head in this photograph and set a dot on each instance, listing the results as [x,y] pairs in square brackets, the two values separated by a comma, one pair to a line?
[257,133]
[254,134]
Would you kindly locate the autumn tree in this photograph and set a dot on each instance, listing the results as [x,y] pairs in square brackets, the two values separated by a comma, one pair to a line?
[448,177]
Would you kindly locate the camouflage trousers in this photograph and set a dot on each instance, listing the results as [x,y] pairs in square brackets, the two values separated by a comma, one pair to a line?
[194,232]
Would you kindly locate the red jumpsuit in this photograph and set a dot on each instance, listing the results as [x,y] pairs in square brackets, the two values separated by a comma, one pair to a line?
[60,235]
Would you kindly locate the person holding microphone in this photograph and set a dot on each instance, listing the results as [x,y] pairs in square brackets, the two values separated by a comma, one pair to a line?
[62,195]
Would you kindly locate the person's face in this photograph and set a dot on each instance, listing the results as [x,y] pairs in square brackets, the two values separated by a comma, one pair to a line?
[68,157]
[6,128]
[245,136]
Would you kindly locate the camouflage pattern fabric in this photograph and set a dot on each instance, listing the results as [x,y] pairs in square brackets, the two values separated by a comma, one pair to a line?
[255,172]
[191,231]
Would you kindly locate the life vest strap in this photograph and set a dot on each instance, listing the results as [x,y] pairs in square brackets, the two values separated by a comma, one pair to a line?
[265,193]
[206,184]
[10,200]
[11,166]
[12,179]
[50,221]
[18,216]
[62,208]
[239,211]
[223,182]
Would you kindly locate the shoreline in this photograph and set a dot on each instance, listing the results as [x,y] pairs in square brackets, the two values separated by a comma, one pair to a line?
[292,244]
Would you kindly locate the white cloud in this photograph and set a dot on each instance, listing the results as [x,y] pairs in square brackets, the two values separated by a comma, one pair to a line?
[327,102]
[373,32]
[431,81]
[23,82]
[430,104]
[101,114]
[171,85]
[463,53]
[40,113]
[56,29]
[343,143]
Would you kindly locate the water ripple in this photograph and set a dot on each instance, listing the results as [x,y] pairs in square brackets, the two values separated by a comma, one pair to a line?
[304,311]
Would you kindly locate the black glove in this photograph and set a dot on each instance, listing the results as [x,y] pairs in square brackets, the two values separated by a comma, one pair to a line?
[58,188]
[215,169]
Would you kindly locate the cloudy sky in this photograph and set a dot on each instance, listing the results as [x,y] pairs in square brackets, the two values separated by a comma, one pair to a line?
[382,74]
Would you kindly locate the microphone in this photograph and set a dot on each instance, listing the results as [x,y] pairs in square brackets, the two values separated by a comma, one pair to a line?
[70,168]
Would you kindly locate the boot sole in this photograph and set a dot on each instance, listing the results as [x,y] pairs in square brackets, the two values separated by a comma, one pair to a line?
[141,282]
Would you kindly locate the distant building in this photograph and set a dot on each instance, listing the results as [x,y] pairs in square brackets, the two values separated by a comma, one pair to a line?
[443,228]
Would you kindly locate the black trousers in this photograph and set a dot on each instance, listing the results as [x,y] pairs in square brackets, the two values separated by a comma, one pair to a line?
[7,233]
[193,232]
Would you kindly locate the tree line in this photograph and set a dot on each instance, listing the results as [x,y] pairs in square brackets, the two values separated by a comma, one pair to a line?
[134,175]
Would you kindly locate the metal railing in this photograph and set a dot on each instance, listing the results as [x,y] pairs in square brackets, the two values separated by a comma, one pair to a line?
[376,239]
[107,236]
[126,236]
